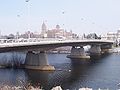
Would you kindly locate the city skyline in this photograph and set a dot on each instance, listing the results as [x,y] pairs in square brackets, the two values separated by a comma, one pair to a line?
[80,16]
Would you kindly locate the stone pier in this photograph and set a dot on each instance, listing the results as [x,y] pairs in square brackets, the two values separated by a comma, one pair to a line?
[78,53]
[37,61]
[106,48]
[95,50]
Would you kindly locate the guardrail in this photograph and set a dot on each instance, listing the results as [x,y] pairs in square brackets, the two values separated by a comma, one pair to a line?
[2,41]
[35,41]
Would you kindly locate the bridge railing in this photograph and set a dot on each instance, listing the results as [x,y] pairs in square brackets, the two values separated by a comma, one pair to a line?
[24,40]
[35,40]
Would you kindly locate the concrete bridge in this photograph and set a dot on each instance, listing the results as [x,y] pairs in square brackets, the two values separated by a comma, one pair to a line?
[36,49]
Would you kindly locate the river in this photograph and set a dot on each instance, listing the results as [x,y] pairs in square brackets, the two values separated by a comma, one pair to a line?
[98,72]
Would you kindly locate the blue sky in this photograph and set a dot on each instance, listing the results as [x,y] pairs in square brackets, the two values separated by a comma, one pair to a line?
[80,16]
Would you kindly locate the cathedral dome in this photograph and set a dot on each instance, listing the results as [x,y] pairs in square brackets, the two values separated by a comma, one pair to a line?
[57,26]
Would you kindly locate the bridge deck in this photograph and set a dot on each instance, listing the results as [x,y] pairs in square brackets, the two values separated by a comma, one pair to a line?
[43,45]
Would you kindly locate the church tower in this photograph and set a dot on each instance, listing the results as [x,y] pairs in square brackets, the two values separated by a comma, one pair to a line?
[44,30]
[57,27]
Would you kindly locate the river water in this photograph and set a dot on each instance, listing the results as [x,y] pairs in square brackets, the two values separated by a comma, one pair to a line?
[98,72]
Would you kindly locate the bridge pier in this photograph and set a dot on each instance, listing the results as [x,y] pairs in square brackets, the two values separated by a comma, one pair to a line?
[37,61]
[95,50]
[106,48]
[78,53]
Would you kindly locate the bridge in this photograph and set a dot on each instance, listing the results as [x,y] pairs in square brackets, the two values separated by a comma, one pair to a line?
[36,49]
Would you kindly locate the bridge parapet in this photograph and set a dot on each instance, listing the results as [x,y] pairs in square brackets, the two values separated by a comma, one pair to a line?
[47,39]
[46,44]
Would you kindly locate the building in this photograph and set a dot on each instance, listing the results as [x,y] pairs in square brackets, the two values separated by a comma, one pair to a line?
[44,30]
[57,32]
[115,36]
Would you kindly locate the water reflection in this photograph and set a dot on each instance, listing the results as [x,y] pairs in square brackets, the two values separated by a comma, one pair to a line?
[38,78]
[48,79]
[12,77]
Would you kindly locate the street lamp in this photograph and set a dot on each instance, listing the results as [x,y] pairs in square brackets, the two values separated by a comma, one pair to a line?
[28,12]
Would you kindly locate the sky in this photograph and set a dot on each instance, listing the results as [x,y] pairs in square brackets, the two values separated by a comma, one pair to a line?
[80,16]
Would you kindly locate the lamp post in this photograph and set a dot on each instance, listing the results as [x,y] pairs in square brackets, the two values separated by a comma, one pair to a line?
[28,12]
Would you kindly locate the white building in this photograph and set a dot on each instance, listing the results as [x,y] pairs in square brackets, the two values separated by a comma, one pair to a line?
[115,36]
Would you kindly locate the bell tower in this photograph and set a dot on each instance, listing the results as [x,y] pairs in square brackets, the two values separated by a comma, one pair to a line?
[44,28]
